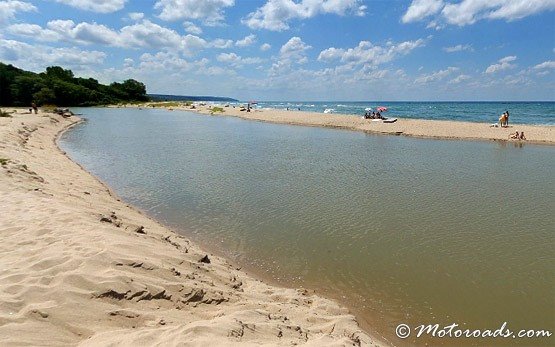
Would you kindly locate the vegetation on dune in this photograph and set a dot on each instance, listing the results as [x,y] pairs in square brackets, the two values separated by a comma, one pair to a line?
[165,104]
[216,109]
[60,87]
[3,161]
[4,114]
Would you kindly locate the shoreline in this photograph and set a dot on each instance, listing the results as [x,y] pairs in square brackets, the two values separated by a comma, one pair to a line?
[418,128]
[70,242]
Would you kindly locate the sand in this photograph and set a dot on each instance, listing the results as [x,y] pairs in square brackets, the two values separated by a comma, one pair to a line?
[80,267]
[407,127]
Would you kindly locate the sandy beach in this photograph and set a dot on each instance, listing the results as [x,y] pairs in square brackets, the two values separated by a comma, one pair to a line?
[407,127]
[81,267]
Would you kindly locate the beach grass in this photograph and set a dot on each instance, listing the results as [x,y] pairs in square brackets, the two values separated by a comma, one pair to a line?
[4,114]
[216,109]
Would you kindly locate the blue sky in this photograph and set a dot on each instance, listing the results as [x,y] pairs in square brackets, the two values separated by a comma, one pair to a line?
[294,49]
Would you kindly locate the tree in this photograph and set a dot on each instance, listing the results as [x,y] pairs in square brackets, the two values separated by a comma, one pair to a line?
[44,96]
[23,88]
[60,73]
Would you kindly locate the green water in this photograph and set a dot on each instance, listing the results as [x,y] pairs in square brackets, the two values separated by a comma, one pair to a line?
[401,230]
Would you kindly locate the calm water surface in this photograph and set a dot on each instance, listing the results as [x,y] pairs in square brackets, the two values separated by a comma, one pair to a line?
[402,230]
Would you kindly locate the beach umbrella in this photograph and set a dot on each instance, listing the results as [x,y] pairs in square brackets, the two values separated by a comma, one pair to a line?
[382,109]
[368,109]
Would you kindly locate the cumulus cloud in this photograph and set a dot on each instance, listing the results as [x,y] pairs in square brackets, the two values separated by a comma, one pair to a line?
[368,53]
[8,10]
[468,12]
[264,47]
[210,11]
[38,57]
[221,43]
[143,34]
[99,6]
[502,64]
[292,52]
[545,65]
[136,15]
[458,48]
[435,76]
[459,79]
[295,48]
[191,28]
[236,60]
[247,41]
[420,9]
[275,15]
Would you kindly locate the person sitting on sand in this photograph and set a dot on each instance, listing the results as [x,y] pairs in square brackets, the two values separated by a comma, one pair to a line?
[516,135]
[522,137]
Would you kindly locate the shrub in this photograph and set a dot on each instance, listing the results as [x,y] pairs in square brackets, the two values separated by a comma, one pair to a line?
[216,109]
[4,114]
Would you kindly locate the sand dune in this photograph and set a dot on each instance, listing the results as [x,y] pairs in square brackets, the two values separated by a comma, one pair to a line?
[78,266]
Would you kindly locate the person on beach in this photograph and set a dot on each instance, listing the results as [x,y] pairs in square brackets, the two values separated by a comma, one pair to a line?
[35,108]
[507,118]
[516,136]
[503,120]
[522,137]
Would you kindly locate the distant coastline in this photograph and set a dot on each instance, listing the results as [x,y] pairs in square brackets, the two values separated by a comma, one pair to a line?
[166,97]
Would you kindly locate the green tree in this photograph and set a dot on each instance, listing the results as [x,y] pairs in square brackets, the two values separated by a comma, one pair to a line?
[23,88]
[44,96]
[59,73]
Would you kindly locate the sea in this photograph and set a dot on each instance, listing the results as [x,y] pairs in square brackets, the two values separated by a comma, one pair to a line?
[537,112]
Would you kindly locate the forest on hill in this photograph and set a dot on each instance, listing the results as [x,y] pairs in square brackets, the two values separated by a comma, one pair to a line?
[58,86]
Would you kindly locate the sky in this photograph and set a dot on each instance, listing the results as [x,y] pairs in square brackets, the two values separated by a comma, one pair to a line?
[341,50]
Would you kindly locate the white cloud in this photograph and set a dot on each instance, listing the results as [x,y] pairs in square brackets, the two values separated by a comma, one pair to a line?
[436,75]
[247,41]
[368,53]
[292,52]
[191,28]
[458,48]
[420,9]
[467,12]
[264,47]
[295,48]
[38,57]
[143,34]
[275,14]
[136,15]
[236,60]
[221,43]
[545,65]
[128,62]
[502,64]
[100,6]
[210,11]
[459,79]
[8,9]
